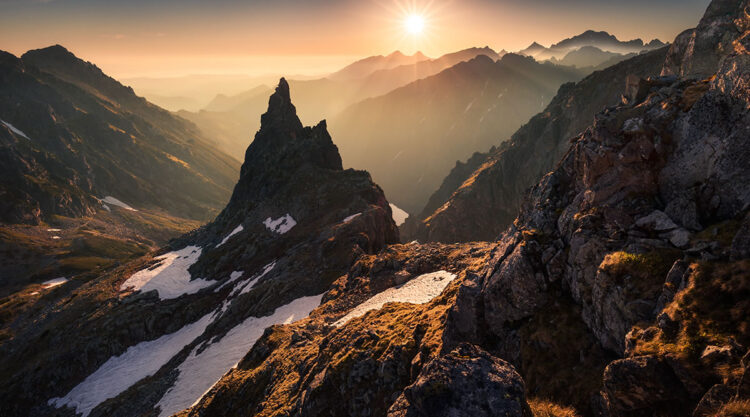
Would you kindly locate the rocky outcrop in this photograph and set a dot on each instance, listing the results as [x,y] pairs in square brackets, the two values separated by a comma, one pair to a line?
[643,188]
[696,53]
[465,382]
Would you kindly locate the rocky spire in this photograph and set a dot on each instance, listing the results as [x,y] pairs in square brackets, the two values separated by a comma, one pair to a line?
[280,121]
[282,149]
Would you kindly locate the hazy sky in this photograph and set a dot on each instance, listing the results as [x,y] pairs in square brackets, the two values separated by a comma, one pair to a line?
[174,37]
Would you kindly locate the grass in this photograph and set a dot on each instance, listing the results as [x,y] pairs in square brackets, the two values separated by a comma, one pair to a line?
[544,408]
[714,308]
[735,408]
[649,269]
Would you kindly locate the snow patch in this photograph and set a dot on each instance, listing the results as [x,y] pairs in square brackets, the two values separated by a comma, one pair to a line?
[420,290]
[200,371]
[170,277]
[115,202]
[399,216]
[54,230]
[232,277]
[54,282]
[281,225]
[14,129]
[55,237]
[352,217]
[121,372]
[250,283]
[234,232]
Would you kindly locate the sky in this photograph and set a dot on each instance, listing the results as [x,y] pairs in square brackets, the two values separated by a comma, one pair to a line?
[141,38]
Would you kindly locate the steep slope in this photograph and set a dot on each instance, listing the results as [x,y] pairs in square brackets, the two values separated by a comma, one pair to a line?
[410,138]
[326,97]
[72,135]
[295,223]
[481,204]
[643,227]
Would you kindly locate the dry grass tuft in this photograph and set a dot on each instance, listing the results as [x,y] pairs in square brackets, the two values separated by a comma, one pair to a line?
[736,408]
[544,408]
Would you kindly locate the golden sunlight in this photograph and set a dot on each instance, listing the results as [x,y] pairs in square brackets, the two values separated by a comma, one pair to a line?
[414,24]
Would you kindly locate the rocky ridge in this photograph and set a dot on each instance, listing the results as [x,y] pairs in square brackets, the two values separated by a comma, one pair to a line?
[70,136]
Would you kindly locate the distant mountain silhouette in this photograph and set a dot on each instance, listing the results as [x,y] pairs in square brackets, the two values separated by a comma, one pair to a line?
[367,66]
[600,40]
[410,138]
[227,120]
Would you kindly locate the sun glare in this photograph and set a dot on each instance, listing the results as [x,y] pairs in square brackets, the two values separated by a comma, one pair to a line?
[414,24]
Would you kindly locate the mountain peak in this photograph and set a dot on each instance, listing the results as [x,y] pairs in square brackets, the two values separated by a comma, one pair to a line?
[281,117]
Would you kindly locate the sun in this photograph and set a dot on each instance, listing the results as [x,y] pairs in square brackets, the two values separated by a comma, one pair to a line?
[414,24]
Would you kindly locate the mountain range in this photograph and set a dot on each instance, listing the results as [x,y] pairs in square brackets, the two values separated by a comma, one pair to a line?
[602,41]
[92,174]
[596,264]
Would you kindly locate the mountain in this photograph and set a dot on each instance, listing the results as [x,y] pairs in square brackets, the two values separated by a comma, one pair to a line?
[620,289]
[410,138]
[480,204]
[588,56]
[367,66]
[225,118]
[602,41]
[91,174]
[260,259]
[79,136]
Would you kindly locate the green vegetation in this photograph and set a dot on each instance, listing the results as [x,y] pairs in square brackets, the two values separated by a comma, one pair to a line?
[648,269]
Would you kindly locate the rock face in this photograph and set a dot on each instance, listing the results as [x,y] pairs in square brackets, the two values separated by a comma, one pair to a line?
[610,225]
[696,53]
[70,135]
[484,202]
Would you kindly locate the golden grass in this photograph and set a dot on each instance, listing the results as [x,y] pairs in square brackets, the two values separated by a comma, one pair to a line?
[544,408]
[735,408]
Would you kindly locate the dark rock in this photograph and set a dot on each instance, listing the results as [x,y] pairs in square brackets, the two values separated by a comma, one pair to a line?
[641,385]
[716,396]
[465,382]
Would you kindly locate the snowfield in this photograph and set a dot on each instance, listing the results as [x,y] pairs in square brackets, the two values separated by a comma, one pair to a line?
[399,216]
[205,364]
[115,202]
[170,277]
[420,290]
[234,232]
[281,225]
[201,371]
[121,372]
